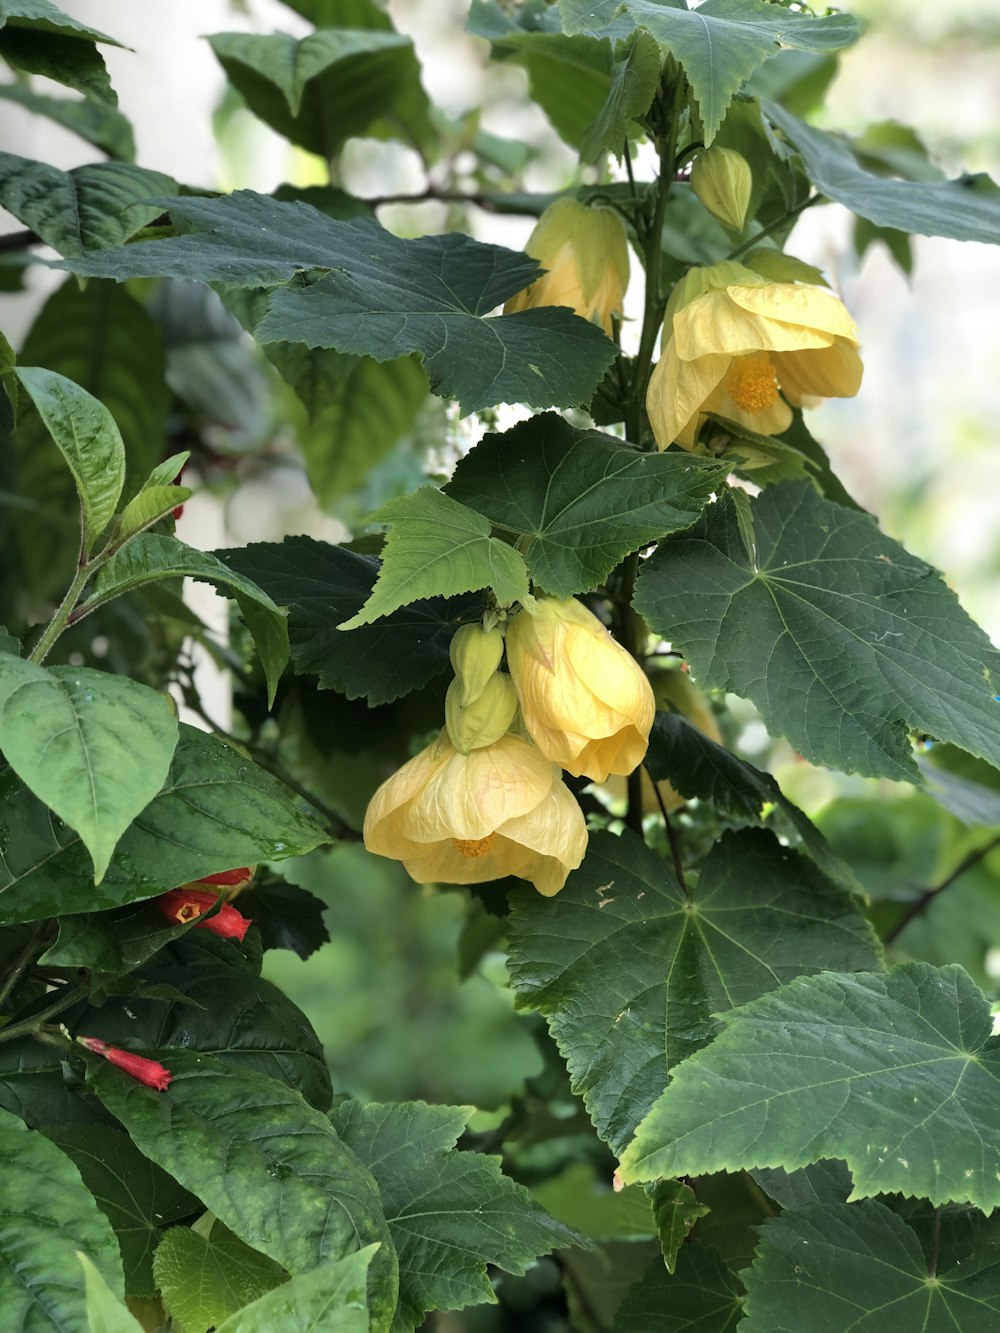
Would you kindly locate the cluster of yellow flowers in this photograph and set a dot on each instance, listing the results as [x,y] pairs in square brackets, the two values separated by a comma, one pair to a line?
[486,798]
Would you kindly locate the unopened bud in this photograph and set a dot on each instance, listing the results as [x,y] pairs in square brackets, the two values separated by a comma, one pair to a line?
[484,720]
[722,180]
[475,655]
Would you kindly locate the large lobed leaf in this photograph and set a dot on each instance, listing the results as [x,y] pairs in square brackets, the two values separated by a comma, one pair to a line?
[450,1213]
[631,972]
[841,638]
[205,1279]
[382,296]
[897,1074]
[584,498]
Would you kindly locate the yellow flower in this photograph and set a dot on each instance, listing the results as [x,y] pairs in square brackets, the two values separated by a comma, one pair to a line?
[585,701]
[466,818]
[744,348]
[586,254]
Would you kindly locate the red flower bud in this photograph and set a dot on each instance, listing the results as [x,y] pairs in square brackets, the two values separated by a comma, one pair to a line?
[150,1072]
[185,905]
[229,879]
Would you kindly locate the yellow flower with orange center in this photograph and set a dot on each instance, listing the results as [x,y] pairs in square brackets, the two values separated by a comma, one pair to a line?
[454,818]
[585,701]
[748,349]
[585,251]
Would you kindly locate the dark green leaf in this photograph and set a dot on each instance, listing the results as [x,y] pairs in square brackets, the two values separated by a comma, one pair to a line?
[152,557]
[216,810]
[75,64]
[322,586]
[676,1208]
[269,1166]
[449,1213]
[287,917]
[635,78]
[584,498]
[101,125]
[137,1198]
[631,973]
[895,1074]
[34,1088]
[333,1298]
[438,546]
[701,1296]
[719,44]
[204,1279]
[947,208]
[382,296]
[859,1266]
[46,1216]
[88,208]
[820,1182]
[95,748]
[111,942]
[839,636]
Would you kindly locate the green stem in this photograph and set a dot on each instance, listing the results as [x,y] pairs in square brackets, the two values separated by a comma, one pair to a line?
[22,960]
[61,619]
[927,897]
[774,226]
[30,1026]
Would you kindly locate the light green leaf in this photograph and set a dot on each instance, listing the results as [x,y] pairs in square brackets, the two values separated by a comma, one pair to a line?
[719,44]
[152,557]
[202,1280]
[860,1266]
[584,498]
[101,125]
[87,208]
[333,1298]
[217,809]
[47,1215]
[86,435]
[450,1213]
[148,507]
[701,1296]
[580,1198]
[438,547]
[634,80]
[676,1208]
[839,636]
[896,1074]
[270,1167]
[631,973]
[931,208]
[95,748]
[104,1311]
[382,296]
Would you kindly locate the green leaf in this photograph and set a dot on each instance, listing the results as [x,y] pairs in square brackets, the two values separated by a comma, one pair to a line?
[438,546]
[88,208]
[215,810]
[101,125]
[136,1197]
[382,296]
[203,1280]
[287,917]
[323,585]
[86,435]
[578,1197]
[584,498]
[697,767]
[719,44]
[677,1209]
[38,38]
[333,1298]
[702,1296]
[147,507]
[42,16]
[860,1266]
[33,1087]
[820,1182]
[932,208]
[895,1074]
[151,557]
[335,84]
[270,1167]
[450,1213]
[631,973]
[105,1312]
[46,1216]
[839,636]
[95,748]
[634,81]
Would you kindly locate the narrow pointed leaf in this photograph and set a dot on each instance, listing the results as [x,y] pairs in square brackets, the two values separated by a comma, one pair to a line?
[634,80]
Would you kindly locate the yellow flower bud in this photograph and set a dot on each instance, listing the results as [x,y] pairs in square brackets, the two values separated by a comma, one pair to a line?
[464,819]
[722,180]
[585,701]
[586,254]
[475,655]
[485,719]
[744,348]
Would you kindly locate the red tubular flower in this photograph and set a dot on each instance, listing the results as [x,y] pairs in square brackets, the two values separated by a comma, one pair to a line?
[183,905]
[231,880]
[149,1072]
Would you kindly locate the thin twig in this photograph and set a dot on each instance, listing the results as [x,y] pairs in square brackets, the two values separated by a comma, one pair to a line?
[29,1026]
[22,960]
[773,226]
[935,1242]
[672,838]
[928,895]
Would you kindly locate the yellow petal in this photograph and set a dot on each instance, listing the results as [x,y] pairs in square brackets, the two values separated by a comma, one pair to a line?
[386,809]
[796,303]
[555,833]
[827,372]
[717,323]
[771,421]
[677,390]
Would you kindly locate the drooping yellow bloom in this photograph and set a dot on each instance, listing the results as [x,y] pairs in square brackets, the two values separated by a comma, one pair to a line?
[457,818]
[745,348]
[586,254]
[585,701]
